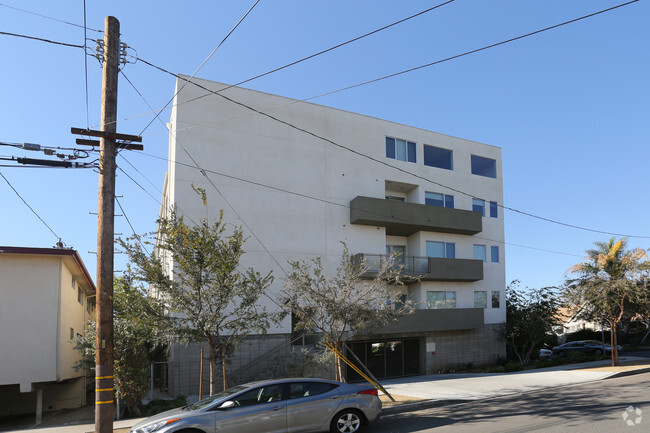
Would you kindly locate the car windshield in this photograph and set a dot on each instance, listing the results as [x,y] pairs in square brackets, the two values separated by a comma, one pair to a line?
[218,396]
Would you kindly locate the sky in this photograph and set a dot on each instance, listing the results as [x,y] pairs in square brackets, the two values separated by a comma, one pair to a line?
[569,107]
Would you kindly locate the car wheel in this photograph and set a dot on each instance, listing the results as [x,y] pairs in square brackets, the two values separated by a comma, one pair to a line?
[562,353]
[598,352]
[346,421]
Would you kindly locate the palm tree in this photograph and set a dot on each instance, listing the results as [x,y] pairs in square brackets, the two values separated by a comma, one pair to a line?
[606,282]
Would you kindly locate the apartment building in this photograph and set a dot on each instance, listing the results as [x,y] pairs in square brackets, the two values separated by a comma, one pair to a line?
[47,298]
[301,178]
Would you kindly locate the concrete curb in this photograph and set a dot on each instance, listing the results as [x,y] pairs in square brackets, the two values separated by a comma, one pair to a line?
[629,373]
[412,407]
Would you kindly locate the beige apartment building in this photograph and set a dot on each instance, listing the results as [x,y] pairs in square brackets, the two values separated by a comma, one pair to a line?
[47,298]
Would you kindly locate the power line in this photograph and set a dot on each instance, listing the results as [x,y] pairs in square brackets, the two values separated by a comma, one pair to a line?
[30,208]
[52,18]
[131,225]
[204,62]
[216,92]
[329,202]
[42,40]
[338,45]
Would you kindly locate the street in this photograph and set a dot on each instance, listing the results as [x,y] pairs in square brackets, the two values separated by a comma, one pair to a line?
[593,407]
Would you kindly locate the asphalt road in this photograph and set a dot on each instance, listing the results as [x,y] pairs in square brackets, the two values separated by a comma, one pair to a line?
[596,407]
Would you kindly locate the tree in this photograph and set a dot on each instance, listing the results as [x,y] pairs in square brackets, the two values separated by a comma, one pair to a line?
[609,280]
[347,303]
[530,317]
[195,274]
[135,337]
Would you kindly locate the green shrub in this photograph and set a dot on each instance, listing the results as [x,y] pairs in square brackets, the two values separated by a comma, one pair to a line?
[157,406]
[512,366]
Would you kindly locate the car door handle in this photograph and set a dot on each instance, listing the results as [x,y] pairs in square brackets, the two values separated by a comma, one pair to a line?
[276,408]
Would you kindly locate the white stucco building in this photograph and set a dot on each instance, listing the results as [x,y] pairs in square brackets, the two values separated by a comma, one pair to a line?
[309,177]
[47,298]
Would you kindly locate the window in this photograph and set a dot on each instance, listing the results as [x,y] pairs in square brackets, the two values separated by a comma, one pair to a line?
[480,252]
[309,389]
[484,166]
[74,282]
[480,299]
[438,157]
[80,296]
[400,149]
[494,210]
[265,394]
[443,250]
[478,205]
[88,305]
[395,197]
[439,300]
[437,199]
[494,254]
[496,302]
[71,334]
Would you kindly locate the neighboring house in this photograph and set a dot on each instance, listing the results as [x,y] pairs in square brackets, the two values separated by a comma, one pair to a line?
[434,199]
[47,298]
[570,321]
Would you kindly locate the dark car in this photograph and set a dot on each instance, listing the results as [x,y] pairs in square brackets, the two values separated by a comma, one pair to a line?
[590,347]
[273,406]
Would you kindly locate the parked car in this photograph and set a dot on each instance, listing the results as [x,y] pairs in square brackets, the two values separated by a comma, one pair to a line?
[545,353]
[282,406]
[591,347]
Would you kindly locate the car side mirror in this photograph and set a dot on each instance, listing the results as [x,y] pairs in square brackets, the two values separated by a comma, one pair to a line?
[227,404]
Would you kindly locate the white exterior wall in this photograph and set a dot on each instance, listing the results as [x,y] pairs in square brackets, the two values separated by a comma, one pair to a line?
[39,307]
[249,151]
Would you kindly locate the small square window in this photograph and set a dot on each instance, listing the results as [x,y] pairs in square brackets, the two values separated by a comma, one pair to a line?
[494,210]
[438,157]
[478,205]
[484,166]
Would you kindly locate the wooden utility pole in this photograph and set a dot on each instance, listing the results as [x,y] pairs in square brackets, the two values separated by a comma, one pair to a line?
[104,388]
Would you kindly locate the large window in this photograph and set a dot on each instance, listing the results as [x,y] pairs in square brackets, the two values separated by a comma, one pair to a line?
[439,300]
[494,254]
[484,166]
[480,252]
[443,250]
[438,199]
[480,299]
[478,205]
[400,149]
[438,157]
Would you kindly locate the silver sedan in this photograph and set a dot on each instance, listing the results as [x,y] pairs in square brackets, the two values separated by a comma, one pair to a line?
[273,406]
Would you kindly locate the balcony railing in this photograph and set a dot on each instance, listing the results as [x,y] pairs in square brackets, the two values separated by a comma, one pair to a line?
[427,268]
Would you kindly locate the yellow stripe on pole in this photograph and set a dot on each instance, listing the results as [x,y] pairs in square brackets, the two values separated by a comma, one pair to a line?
[104,402]
[104,389]
[103,377]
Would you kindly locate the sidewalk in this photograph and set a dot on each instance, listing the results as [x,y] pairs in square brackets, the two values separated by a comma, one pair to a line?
[413,393]
[417,392]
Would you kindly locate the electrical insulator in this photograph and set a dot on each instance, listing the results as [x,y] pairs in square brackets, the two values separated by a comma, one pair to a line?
[31,146]
[49,151]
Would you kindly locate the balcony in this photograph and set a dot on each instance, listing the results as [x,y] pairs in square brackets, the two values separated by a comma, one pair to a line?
[404,219]
[428,268]
[420,321]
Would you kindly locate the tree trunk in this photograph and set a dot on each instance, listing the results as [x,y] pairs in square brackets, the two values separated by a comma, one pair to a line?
[224,354]
[213,363]
[614,342]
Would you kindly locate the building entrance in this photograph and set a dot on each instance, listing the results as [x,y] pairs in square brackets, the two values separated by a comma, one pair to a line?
[386,358]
